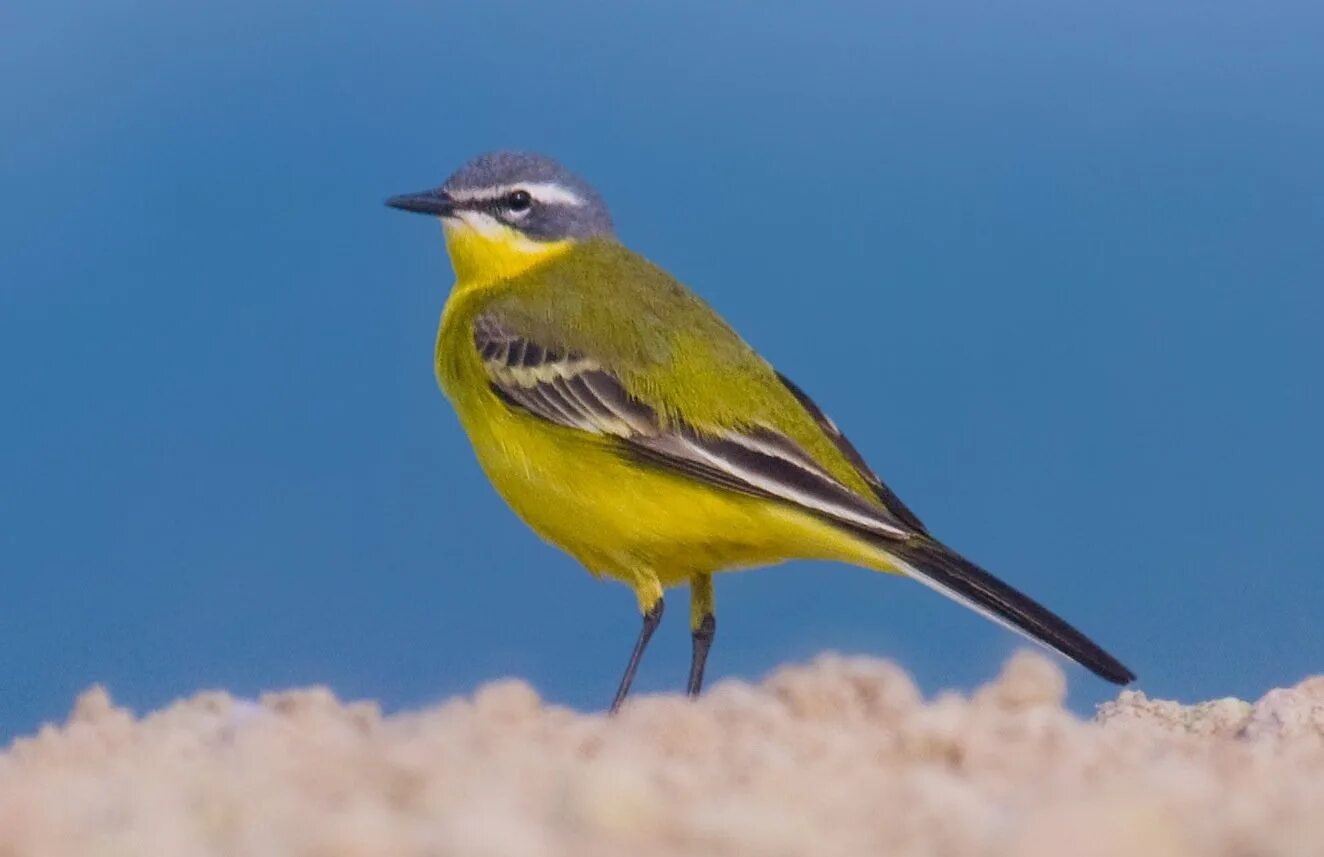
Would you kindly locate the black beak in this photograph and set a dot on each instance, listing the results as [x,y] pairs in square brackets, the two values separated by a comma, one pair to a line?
[435,202]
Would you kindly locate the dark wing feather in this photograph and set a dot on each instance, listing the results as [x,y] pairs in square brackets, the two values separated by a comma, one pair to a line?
[572,390]
[890,500]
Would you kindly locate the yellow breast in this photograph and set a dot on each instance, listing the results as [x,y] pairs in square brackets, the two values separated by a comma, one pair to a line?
[484,250]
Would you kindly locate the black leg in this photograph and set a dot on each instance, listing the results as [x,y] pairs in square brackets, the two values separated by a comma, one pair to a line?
[651,620]
[703,640]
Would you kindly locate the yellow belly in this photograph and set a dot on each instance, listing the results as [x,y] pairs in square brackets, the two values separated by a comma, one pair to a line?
[619,517]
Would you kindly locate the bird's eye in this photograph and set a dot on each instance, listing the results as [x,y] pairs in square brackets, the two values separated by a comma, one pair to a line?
[519,201]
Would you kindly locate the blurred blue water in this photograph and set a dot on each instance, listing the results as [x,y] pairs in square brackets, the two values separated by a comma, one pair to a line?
[1055,267]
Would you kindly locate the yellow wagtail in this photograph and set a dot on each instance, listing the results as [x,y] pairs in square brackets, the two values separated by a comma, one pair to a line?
[629,425]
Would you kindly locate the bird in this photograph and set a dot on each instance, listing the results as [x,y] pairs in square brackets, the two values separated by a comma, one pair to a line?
[628,424]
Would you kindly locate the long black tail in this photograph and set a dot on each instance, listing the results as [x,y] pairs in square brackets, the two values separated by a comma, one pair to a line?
[943,569]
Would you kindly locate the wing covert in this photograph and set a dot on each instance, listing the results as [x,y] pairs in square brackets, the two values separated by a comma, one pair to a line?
[573,390]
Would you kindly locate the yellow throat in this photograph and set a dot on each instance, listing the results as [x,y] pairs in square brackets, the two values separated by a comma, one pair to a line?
[484,251]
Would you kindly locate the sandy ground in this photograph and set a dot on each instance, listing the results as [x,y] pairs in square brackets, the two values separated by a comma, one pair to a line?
[840,757]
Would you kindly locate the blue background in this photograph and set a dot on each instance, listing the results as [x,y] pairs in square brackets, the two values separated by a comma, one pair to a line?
[1055,267]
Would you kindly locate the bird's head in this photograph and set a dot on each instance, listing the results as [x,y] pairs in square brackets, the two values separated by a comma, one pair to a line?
[506,211]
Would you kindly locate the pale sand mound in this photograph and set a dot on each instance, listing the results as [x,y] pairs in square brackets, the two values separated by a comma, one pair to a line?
[841,757]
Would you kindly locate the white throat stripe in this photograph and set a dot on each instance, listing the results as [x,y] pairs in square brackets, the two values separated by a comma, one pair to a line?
[492,229]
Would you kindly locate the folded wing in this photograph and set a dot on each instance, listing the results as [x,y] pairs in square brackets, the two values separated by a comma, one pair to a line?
[575,391]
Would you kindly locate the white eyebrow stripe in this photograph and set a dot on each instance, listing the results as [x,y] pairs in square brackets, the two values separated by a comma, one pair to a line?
[550,193]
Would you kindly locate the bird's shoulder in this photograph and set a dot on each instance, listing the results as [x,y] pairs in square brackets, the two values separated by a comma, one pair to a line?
[667,346]
[602,298]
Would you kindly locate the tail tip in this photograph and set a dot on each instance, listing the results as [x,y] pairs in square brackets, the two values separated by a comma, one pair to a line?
[1113,671]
